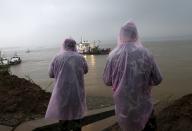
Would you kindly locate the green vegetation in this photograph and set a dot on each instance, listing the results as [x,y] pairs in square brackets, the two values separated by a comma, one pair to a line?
[4,68]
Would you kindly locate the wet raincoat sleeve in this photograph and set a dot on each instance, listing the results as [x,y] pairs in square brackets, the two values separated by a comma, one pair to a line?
[156,76]
[107,75]
[51,69]
[85,66]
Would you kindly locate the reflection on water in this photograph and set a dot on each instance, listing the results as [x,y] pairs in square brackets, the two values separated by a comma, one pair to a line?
[92,60]
[93,80]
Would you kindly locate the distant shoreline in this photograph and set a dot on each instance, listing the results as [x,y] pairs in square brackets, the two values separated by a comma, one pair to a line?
[112,42]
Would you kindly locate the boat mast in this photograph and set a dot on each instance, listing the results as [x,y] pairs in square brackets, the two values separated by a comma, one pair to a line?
[81,39]
[0,57]
[15,53]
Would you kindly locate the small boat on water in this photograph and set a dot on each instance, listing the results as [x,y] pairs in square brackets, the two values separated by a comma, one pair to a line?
[12,61]
[27,51]
[4,64]
[4,61]
[91,48]
[15,60]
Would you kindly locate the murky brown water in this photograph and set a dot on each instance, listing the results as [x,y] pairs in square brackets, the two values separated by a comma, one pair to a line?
[174,59]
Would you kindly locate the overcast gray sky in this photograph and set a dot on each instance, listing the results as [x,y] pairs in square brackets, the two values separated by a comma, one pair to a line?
[48,22]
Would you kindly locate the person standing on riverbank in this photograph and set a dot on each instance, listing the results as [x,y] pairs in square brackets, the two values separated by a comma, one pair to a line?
[68,102]
[131,71]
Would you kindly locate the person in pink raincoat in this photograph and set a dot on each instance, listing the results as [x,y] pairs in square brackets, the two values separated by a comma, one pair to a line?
[68,102]
[131,71]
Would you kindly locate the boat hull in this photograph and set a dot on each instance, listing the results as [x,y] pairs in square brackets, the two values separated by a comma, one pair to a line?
[15,62]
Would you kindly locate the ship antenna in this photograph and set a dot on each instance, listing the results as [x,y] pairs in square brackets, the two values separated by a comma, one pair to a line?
[81,39]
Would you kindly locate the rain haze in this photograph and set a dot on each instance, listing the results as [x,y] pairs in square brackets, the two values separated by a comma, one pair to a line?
[32,33]
[47,22]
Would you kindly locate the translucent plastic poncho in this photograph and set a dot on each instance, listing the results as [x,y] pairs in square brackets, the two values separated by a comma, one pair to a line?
[68,97]
[131,71]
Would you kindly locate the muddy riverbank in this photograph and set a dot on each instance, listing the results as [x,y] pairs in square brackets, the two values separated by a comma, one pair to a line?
[23,100]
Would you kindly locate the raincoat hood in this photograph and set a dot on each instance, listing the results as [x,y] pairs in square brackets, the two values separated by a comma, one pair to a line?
[128,34]
[68,45]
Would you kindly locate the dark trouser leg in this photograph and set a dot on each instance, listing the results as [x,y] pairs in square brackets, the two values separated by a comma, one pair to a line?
[63,125]
[72,125]
[77,125]
[151,124]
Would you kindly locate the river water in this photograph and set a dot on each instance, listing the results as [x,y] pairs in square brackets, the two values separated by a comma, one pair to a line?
[174,59]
